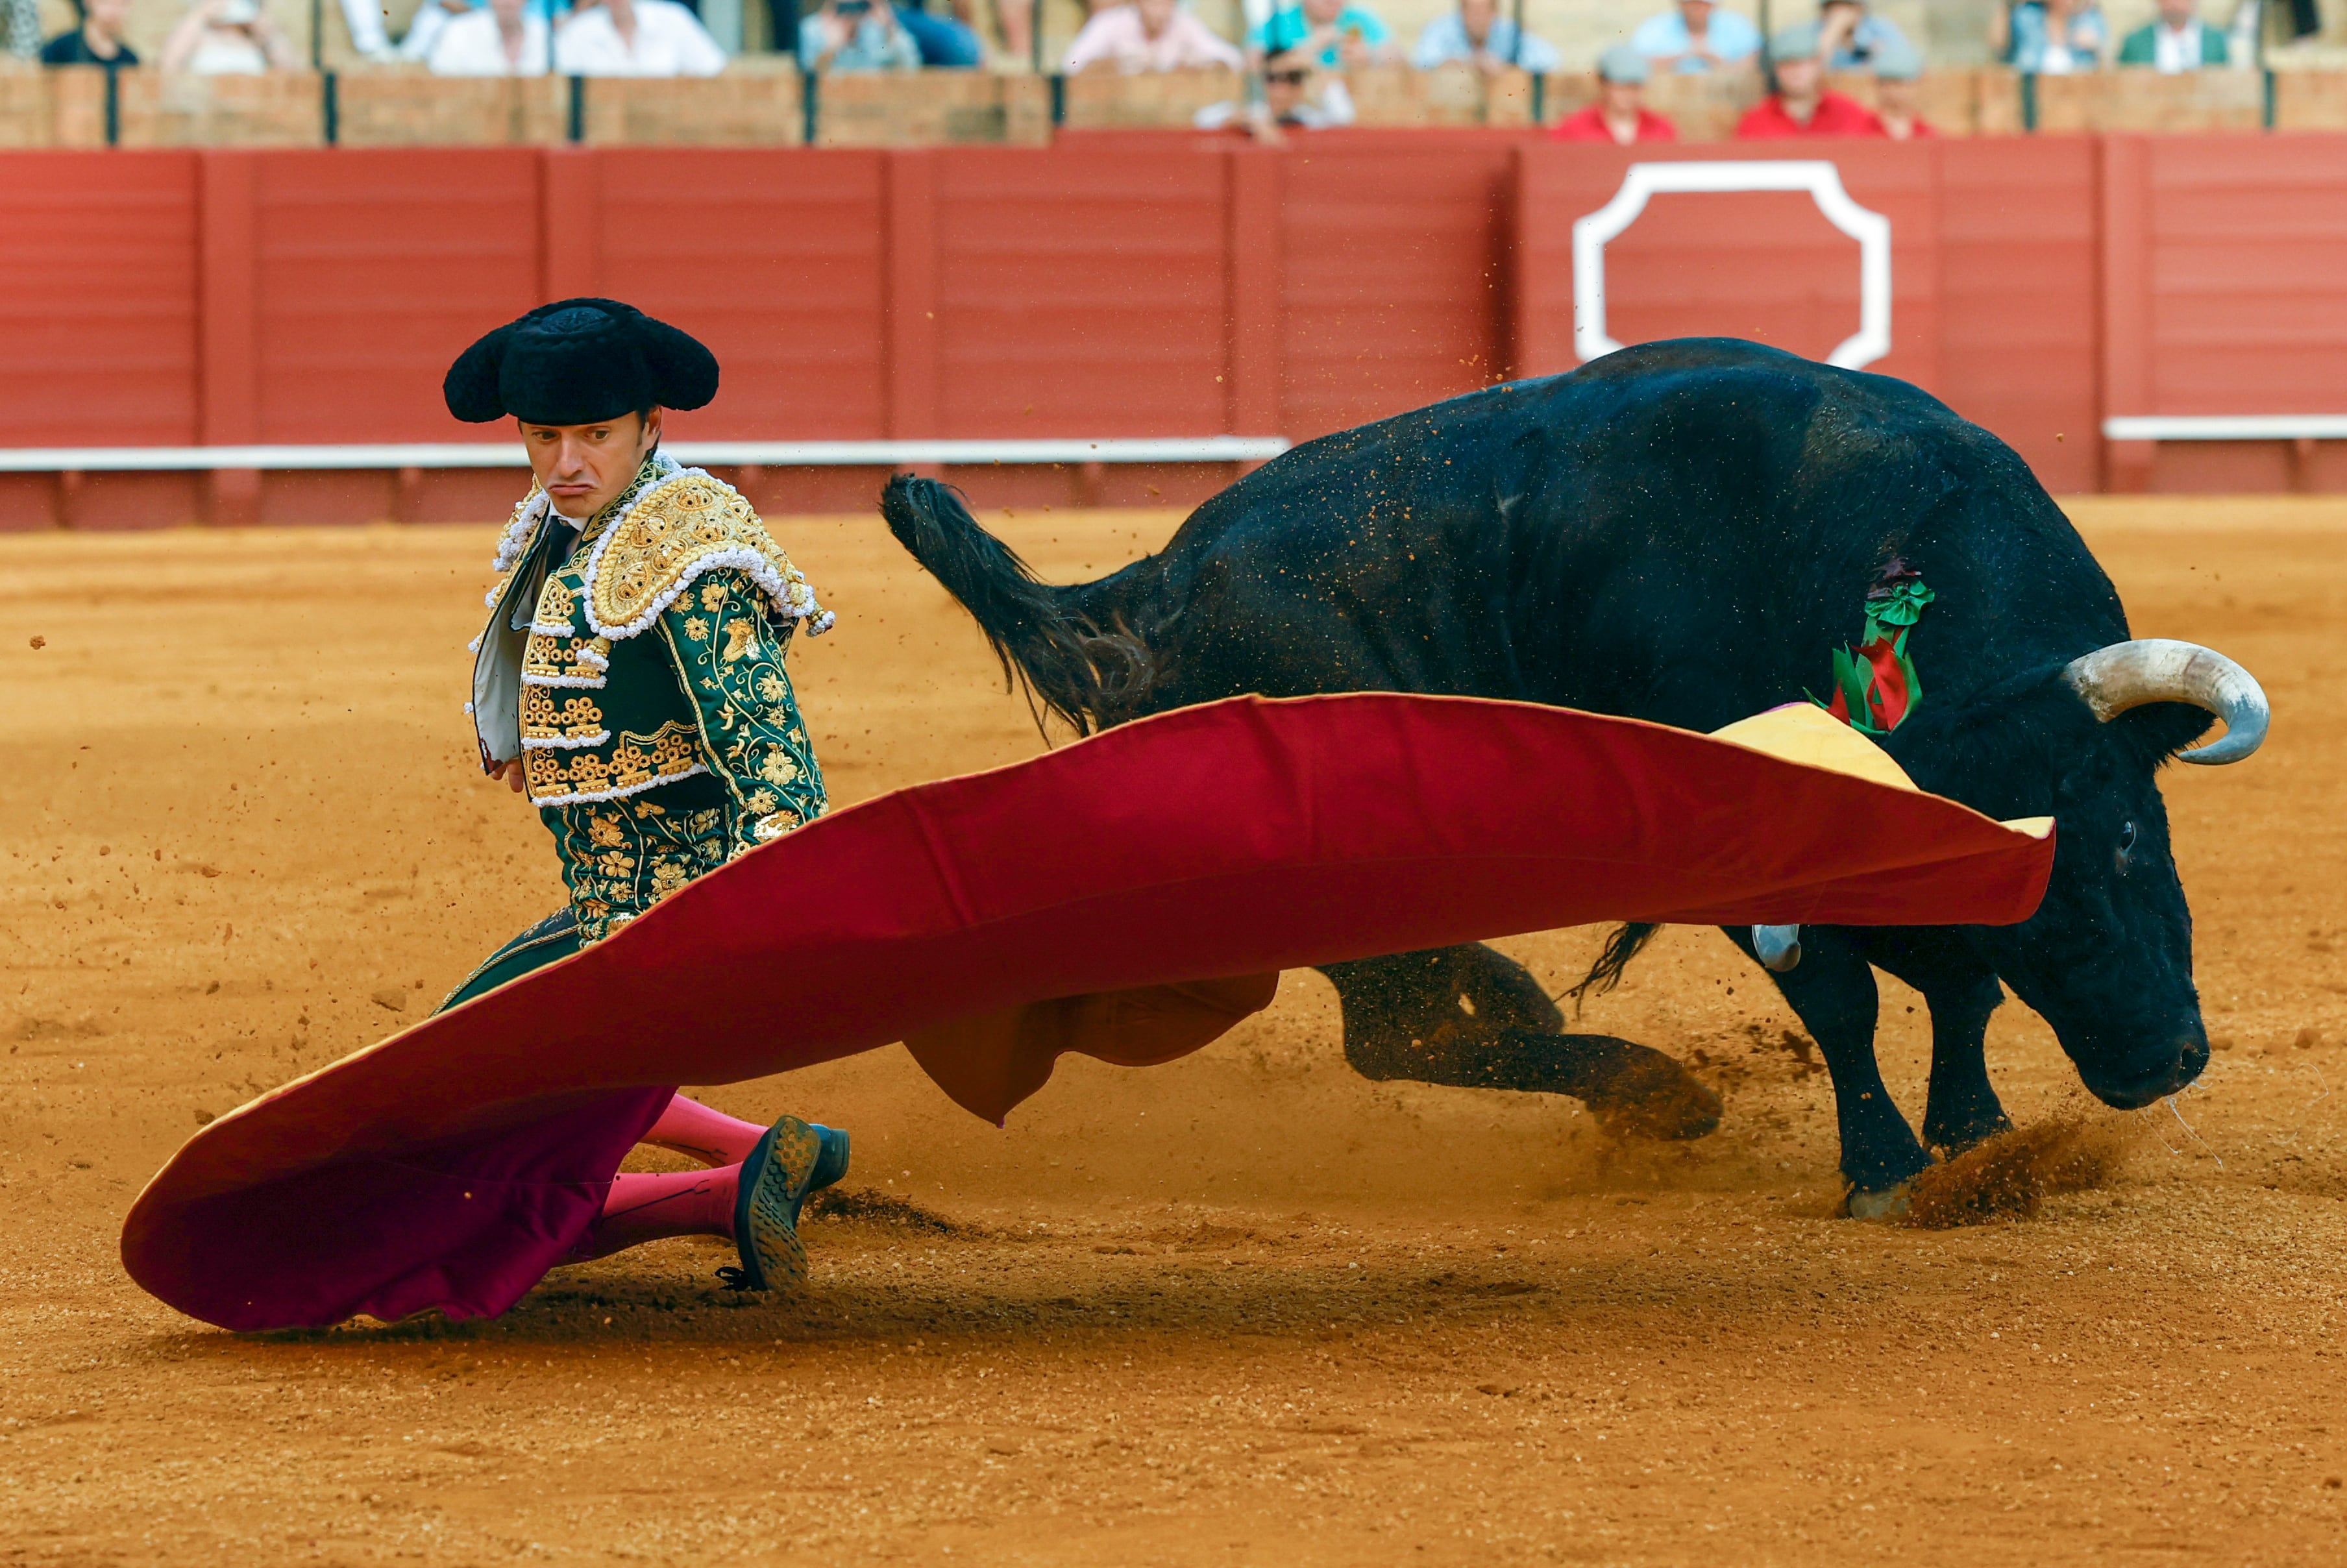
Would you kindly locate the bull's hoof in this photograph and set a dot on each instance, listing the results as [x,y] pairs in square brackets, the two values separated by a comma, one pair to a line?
[1950,1138]
[1891,1204]
[1645,1095]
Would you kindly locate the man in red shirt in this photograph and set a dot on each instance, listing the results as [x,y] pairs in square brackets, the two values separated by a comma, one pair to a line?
[1800,107]
[1620,114]
[1896,66]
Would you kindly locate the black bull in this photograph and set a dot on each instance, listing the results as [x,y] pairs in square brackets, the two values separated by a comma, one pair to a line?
[1684,532]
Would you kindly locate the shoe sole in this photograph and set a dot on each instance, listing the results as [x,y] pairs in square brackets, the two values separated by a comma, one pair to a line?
[774,1182]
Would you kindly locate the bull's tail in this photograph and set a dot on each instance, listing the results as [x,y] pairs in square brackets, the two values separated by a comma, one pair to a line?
[1089,675]
[1622,946]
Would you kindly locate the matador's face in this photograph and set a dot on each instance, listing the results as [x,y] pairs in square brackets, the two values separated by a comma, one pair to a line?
[583,467]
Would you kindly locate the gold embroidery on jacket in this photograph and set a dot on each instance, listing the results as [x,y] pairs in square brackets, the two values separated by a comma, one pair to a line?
[666,536]
[567,659]
[638,762]
[546,716]
[556,603]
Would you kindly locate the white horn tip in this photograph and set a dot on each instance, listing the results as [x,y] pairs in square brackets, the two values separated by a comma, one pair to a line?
[1779,947]
[2126,675]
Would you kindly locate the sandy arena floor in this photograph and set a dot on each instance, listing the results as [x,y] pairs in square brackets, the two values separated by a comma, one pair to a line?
[1245,1309]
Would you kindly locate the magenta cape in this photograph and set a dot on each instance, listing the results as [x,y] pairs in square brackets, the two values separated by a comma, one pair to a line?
[451,1165]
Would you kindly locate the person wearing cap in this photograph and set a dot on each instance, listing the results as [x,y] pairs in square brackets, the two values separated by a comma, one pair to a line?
[1896,69]
[1620,115]
[1801,106]
[630,683]
[1850,35]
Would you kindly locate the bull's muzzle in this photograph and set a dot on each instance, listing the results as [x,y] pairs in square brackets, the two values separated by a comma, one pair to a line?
[2134,1090]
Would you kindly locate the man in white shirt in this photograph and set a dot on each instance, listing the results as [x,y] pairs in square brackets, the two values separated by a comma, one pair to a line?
[502,41]
[636,38]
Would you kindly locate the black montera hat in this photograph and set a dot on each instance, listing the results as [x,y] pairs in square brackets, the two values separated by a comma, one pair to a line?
[575,361]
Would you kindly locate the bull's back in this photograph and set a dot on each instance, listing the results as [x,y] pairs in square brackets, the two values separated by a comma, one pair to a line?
[1682,531]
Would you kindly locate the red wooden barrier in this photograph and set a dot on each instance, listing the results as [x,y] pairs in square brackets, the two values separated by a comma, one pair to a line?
[1131,286]
[2225,291]
[1395,249]
[2018,299]
[1992,281]
[97,326]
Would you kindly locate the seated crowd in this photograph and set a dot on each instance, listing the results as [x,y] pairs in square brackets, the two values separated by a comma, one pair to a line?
[1299,50]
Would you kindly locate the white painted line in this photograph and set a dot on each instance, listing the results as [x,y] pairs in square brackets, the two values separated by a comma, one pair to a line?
[2225,427]
[1821,179]
[760,454]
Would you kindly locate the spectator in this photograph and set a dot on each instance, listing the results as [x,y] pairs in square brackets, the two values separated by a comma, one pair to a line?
[1695,37]
[424,31]
[364,18]
[505,40]
[1897,68]
[2049,37]
[1853,35]
[228,38]
[1016,20]
[1477,34]
[947,43]
[20,29]
[854,35]
[2178,41]
[1334,35]
[1800,106]
[1287,103]
[1149,36]
[636,38]
[98,41]
[1620,115]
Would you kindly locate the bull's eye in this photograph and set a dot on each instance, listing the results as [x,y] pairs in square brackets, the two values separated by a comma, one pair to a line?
[2126,844]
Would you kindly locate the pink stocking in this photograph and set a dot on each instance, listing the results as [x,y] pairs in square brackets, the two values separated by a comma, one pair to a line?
[641,1208]
[692,1129]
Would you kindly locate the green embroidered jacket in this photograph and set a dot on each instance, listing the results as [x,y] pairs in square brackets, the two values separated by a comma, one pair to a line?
[635,667]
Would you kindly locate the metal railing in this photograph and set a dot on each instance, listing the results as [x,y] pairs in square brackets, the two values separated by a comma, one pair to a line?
[280,458]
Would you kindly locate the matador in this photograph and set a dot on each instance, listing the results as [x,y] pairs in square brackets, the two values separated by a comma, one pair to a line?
[630,682]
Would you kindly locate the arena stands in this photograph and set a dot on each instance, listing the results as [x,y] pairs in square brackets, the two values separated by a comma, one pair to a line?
[321,72]
[1054,286]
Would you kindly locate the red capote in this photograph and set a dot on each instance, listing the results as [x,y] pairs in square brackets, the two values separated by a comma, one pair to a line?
[1589,125]
[1836,116]
[1130,895]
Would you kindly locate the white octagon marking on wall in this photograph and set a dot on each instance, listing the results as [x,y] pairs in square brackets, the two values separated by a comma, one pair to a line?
[1821,179]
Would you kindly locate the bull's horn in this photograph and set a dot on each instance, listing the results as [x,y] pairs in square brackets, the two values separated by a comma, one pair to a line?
[2160,670]
[1779,947]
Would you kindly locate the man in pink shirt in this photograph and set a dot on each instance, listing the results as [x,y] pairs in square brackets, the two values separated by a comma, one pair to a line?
[1800,107]
[1149,36]
[1620,114]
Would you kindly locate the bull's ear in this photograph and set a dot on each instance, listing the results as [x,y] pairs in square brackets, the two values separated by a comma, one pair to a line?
[2157,731]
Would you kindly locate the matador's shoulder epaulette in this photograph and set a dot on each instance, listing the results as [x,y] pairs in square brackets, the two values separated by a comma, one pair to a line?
[680,528]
